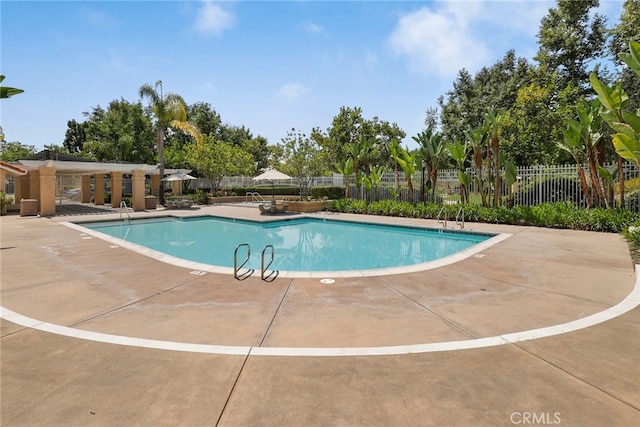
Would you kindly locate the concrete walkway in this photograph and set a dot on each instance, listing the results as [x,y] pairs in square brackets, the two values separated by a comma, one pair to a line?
[542,328]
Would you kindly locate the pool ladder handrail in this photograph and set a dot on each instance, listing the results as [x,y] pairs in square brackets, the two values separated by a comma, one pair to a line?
[237,268]
[443,222]
[274,273]
[123,205]
[460,223]
[255,197]
[263,269]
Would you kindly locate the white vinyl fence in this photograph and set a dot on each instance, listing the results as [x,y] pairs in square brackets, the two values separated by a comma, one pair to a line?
[535,185]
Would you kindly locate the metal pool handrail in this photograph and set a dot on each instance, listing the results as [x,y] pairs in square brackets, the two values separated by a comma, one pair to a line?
[460,211]
[444,223]
[123,205]
[249,271]
[255,197]
[271,276]
[241,276]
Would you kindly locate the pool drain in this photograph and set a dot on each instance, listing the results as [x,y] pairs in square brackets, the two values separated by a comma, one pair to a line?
[327,281]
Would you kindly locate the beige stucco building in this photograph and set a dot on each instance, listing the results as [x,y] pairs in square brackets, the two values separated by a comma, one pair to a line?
[36,180]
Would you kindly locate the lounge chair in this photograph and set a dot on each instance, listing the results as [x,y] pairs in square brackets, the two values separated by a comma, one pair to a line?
[273,207]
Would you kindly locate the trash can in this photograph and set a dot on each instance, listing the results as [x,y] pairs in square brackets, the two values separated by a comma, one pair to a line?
[28,207]
[150,202]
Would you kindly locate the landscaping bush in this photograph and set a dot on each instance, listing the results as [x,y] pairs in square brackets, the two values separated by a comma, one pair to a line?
[552,215]
[198,196]
[4,202]
[331,193]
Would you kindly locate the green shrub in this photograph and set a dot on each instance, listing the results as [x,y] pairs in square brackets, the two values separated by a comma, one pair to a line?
[199,196]
[4,202]
[330,193]
[552,215]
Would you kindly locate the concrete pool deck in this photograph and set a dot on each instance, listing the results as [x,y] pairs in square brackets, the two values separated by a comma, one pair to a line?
[95,334]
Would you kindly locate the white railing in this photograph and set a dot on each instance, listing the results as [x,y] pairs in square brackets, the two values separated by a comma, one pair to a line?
[535,185]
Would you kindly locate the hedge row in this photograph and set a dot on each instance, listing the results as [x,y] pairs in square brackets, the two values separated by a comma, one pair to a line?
[551,215]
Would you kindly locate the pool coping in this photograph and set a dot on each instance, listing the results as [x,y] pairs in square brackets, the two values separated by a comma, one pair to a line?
[475,249]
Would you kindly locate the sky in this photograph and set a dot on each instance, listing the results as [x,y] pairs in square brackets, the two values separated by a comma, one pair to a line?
[269,66]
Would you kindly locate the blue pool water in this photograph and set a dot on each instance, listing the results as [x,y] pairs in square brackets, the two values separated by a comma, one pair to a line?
[305,244]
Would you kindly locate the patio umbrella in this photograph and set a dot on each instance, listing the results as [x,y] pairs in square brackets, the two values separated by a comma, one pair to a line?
[273,176]
[178,176]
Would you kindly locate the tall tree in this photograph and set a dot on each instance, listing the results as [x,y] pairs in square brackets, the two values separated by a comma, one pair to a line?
[476,139]
[205,119]
[122,132]
[533,125]
[345,168]
[407,161]
[493,123]
[571,39]
[14,151]
[75,136]
[349,127]
[472,96]
[459,155]
[301,159]
[217,159]
[626,30]
[433,151]
[170,111]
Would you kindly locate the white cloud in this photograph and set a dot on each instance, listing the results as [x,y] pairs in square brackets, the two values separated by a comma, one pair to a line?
[213,19]
[313,28]
[440,41]
[292,91]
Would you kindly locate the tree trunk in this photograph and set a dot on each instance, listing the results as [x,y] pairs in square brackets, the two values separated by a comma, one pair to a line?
[497,191]
[434,182]
[585,186]
[596,182]
[410,189]
[161,161]
[477,159]
[621,182]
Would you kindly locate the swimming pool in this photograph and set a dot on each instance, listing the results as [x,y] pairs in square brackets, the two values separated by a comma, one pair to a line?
[300,245]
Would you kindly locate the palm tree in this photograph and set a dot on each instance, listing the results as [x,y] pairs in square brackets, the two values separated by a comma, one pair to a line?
[394,150]
[346,169]
[477,139]
[171,112]
[354,150]
[375,178]
[8,92]
[574,145]
[459,153]
[433,151]
[407,162]
[493,122]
